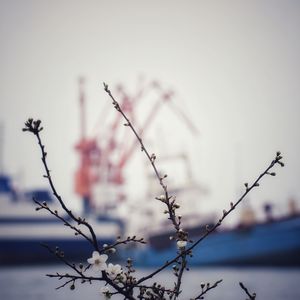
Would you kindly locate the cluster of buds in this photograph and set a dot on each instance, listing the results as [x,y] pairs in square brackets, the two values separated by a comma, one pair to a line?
[278,160]
[128,278]
[33,126]
[156,291]
[146,293]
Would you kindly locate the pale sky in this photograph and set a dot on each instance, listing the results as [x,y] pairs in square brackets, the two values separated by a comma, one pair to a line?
[234,67]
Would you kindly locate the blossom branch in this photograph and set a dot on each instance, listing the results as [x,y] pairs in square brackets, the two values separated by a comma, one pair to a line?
[171,205]
[35,128]
[275,161]
[122,282]
[130,280]
[82,276]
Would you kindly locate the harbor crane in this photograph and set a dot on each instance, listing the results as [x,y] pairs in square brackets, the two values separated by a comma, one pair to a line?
[102,159]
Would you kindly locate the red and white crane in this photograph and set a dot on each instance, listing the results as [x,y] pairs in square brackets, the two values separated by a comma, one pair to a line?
[98,162]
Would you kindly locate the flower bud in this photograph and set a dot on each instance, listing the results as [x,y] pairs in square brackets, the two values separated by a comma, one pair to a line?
[112,250]
[161,198]
[181,244]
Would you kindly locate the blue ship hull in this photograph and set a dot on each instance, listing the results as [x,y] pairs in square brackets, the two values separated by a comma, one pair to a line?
[274,243]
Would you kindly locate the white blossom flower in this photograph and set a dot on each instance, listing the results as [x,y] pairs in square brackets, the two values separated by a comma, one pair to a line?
[98,261]
[181,244]
[113,270]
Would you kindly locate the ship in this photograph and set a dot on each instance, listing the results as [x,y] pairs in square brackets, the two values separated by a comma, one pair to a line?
[274,242]
[23,230]
[269,241]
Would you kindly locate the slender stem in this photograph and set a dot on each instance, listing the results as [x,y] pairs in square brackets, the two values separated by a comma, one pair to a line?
[251,296]
[183,263]
[207,288]
[78,231]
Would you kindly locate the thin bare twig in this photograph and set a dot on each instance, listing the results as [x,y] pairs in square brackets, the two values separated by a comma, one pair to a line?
[205,288]
[61,256]
[65,222]
[35,128]
[251,296]
[183,264]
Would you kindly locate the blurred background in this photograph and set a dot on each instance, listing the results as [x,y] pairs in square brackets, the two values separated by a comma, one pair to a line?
[213,88]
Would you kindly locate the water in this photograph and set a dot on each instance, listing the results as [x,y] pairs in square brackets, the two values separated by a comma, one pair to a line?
[30,283]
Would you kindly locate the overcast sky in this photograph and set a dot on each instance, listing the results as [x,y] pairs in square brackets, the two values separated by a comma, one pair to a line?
[233,65]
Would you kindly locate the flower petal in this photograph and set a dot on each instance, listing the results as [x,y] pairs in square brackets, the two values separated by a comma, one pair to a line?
[110,266]
[96,268]
[95,254]
[91,260]
[103,258]
[102,267]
